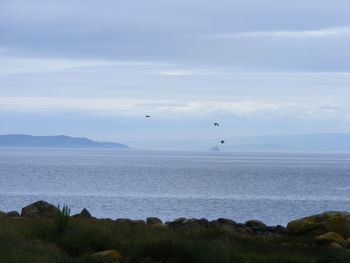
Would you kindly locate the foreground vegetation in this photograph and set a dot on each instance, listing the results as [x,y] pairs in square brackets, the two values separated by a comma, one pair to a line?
[39,240]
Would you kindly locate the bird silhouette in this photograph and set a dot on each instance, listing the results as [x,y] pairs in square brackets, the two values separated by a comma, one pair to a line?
[222,141]
[216,124]
[147,116]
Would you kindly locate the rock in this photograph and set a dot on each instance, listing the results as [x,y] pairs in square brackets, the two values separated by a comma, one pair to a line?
[83,214]
[280,230]
[178,222]
[153,221]
[319,224]
[286,244]
[108,253]
[228,227]
[255,224]
[193,222]
[126,221]
[138,222]
[347,243]
[12,214]
[330,237]
[244,230]
[225,221]
[123,221]
[39,209]
[226,224]
[335,245]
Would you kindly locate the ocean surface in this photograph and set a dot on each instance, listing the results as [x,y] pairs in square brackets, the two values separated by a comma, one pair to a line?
[272,187]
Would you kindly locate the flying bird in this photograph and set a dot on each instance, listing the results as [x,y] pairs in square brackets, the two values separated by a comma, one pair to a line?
[147,116]
[216,124]
[222,141]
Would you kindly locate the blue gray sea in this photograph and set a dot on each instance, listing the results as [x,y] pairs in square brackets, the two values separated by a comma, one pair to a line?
[273,187]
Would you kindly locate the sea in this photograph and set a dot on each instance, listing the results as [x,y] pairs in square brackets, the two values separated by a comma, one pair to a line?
[272,187]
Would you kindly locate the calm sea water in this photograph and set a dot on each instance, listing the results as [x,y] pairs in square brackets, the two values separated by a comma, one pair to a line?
[274,188]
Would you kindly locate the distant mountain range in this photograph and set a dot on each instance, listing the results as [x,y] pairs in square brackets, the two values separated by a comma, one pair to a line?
[20,140]
[304,142]
[318,142]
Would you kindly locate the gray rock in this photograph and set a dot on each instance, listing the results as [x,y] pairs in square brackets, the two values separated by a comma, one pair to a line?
[124,221]
[138,222]
[153,221]
[244,230]
[12,214]
[257,226]
[193,222]
[83,214]
[226,221]
[254,224]
[178,222]
[280,230]
[39,209]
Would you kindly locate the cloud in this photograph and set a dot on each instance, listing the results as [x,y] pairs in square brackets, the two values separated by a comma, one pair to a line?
[180,73]
[172,108]
[318,33]
[17,65]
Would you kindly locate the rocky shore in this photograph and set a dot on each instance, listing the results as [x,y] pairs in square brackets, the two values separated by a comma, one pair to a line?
[327,229]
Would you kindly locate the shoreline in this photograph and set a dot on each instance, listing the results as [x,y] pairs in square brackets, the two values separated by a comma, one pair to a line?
[43,232]
[43,209]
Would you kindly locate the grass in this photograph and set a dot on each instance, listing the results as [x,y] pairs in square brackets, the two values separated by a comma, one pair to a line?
[37,240]
[62,218]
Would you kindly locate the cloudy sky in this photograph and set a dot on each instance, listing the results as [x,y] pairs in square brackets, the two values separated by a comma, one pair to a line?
[95,68]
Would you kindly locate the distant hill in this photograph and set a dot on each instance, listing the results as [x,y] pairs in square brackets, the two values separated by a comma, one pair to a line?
[20,140]
[303,142]
[318,142]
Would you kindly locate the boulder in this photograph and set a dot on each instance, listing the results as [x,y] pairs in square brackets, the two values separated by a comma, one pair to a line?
[225,221]
[193,222]
[335,245]
[39,209]
[108,253]
[226,224]
[347,242]
[244,230]
[83,214]
[126,221]
[280,230]
[178,222]
[123,221]
[12,214]
[286,244]
[257,226]
[319,224]
[330,237]
[138,222]
[153,221]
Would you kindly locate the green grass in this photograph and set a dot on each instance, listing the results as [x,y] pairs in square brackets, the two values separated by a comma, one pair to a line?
[38,241]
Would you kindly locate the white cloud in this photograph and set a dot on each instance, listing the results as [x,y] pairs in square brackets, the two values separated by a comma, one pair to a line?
[181,73]
[318,33]
[12,65]
[173,108]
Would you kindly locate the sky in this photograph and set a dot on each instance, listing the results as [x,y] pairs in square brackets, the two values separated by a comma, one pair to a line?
[94,69]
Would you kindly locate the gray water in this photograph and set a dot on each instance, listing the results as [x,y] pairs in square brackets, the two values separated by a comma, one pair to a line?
[272,187]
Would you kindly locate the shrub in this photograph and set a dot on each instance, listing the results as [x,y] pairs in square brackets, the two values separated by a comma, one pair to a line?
[62,218]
